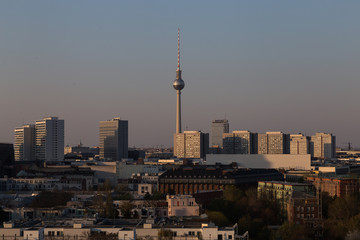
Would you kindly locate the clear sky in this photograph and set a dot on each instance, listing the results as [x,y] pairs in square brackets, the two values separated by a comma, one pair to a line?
[291,66]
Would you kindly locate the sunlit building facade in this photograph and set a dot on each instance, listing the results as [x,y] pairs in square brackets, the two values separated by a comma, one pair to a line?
[24,143]
[49,139]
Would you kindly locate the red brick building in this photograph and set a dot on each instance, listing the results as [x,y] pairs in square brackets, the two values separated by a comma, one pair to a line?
[303,208]
[335,186]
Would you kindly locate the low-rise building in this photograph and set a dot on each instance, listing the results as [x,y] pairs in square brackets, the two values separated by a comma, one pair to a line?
[306,209]
[79,231]
[282,191]
[339,186]
[182,205]
[193,179]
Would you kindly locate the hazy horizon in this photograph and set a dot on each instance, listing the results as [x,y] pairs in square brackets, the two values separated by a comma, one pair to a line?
[265,65]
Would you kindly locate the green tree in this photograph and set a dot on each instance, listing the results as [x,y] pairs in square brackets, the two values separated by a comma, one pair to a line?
[233,194]
[353,235]
[256,227]
[218,218]
[47,199]
[291,232]
[126,209]
[165,234]
[110,210]
[106,186]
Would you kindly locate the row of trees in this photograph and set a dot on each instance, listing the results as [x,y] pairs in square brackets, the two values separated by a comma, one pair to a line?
[341,216]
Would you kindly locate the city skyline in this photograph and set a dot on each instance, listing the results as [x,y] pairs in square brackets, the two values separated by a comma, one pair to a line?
[289,67]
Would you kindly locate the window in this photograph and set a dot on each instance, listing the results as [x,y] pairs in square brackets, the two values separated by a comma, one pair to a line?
[219,237]
[230,236]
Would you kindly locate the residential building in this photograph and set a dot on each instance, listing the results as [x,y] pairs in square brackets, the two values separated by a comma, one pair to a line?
[145,208]
[49,139]
[182,206]
[239,142]
[302,207]
[114,139]
[273,143]
[299,144]
[191,144]
[306,209]
[323,146]
[187,231]
[218,128]
[24,144]
[282,191]
[80,231]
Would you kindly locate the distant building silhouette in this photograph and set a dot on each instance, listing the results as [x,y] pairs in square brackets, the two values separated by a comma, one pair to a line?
[323,146]
[239,142]
[114,139]
[218,128]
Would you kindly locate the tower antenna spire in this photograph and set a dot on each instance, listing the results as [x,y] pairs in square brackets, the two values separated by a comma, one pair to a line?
[178,67]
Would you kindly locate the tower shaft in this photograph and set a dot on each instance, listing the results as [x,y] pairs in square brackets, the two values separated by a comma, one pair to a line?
[178,112]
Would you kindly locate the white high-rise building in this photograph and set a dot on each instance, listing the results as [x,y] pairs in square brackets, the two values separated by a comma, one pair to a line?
[273,143]
[49,139]
[114,139]
[191,144]
[24,144]
[299,144]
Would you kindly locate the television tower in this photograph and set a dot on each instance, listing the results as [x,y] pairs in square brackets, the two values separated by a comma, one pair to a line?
[178,84]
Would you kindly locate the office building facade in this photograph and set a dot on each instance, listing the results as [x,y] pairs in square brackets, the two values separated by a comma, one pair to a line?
[24,143]
[218,128]
[191,144]
[299,144]
[273,143]
[323,146]
[114,139]
[239,142]
[49,139]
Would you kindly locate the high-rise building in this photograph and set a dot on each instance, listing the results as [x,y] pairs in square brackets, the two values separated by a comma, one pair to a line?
[323,146]
[49,139]
[273,143]
[299,144]
[191,144]
[239,142]
[114,139]
[218,128]
[24,145]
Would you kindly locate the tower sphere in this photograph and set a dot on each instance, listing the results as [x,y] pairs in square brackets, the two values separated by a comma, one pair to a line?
[179,84]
